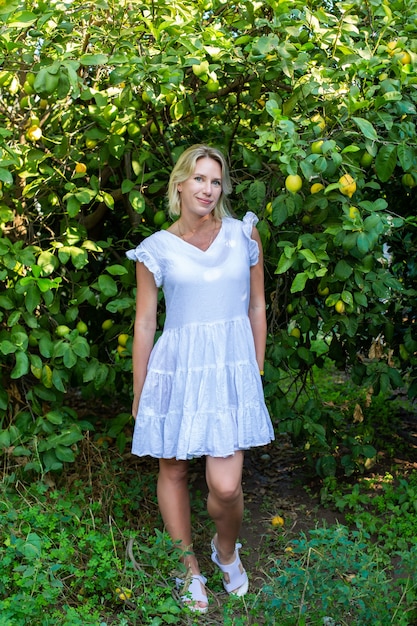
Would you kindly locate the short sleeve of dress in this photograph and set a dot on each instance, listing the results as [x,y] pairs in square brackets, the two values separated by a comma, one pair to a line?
[249,221]
[143,254]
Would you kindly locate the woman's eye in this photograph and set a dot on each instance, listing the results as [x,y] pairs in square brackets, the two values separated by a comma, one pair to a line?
[198,179]
[217,183]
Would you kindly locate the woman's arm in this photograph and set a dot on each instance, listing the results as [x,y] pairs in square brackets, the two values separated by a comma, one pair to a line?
[145,327]
[257,307]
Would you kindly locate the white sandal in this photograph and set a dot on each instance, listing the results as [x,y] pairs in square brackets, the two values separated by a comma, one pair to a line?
[192,592]
[236,580]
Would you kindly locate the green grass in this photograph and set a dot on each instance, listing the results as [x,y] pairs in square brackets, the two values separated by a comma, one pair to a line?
[86,546]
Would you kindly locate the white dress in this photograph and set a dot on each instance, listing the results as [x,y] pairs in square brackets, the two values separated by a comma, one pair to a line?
[203,392]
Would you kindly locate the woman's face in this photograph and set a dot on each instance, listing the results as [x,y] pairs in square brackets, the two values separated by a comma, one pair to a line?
[200,193]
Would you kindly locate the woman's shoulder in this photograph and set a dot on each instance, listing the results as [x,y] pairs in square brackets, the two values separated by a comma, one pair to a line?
[246,223]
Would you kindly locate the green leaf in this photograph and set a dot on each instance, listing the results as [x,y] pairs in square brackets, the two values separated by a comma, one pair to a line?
[21,367]
[362,243]
[284,264]
[116,270]
[55,417]
[94,59]
[5,176]
[385,162]
[107,286]
[4,439]
[366,128]
[32,547]
[299,282]
[137,201]
[6,303]
[406,156]
[32,298]
[64,454]
[81,347]
[343,270]
[73,206]
[116,146]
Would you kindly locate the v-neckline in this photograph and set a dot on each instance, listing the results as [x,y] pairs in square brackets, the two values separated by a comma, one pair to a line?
[187,243]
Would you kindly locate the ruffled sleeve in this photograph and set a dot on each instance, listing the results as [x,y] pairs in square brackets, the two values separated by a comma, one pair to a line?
[143,254]
[249,221]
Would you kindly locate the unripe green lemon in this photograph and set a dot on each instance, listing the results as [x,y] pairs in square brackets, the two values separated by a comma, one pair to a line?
[62,330]
[82,327]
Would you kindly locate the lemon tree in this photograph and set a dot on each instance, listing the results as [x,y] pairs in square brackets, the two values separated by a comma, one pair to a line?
[315,108]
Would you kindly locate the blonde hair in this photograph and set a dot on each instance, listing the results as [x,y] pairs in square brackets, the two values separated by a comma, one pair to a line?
[185,167]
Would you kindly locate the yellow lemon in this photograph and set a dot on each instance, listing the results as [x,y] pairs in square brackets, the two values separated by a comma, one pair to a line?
[405,58]
[340,307]
[124,594]
[123,339]
[316,187]
[80,168]
[277,520]
[34,133]
[323,291]
[318,120]
[90,143]
[391,46]
[293,183]
[122,350]
[347,185]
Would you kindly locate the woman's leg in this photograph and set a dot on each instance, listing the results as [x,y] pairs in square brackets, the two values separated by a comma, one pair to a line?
[225,502]
[174,504]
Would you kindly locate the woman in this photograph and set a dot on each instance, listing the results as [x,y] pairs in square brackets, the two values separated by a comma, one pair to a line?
[198,391]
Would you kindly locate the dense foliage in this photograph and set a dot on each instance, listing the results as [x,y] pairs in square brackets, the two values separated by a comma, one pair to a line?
[313,103]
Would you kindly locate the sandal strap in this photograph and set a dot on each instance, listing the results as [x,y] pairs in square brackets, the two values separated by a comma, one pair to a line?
[193,589]
[237,578]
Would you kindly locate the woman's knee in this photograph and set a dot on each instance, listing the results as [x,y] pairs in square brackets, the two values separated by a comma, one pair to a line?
[226,492]
[173,470]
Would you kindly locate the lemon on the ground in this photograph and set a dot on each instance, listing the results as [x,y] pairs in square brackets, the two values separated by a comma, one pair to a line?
[316,187]
[277,520]
[347,185]
[293,182]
